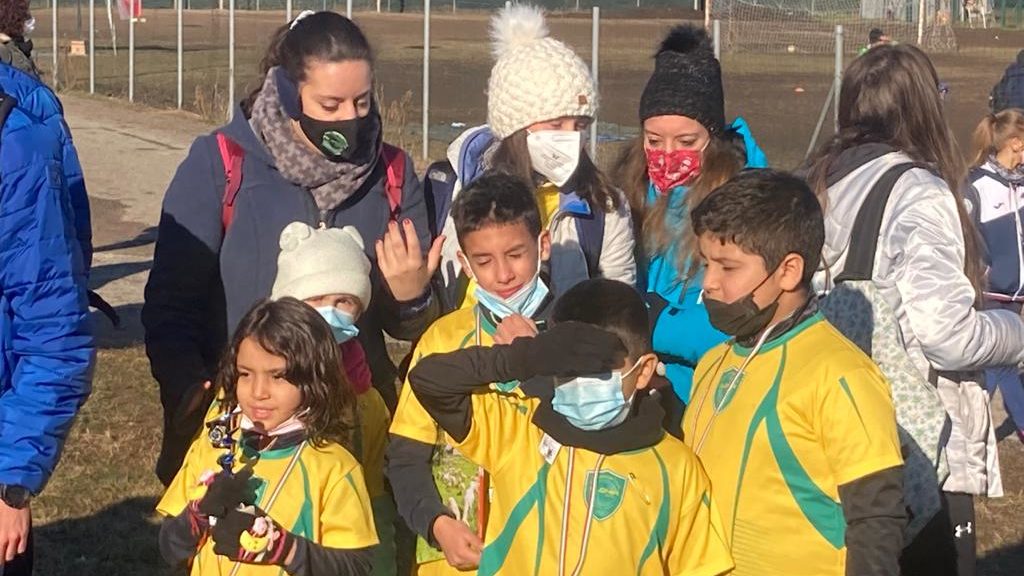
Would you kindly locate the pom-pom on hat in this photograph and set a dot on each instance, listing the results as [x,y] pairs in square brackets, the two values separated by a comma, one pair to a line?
[536,77]
[314,262]
[687,80]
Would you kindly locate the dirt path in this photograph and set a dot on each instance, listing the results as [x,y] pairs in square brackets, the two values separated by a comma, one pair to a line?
[129,155]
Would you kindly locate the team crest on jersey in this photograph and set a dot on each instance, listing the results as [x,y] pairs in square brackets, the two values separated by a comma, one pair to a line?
[726,389]
[610,490]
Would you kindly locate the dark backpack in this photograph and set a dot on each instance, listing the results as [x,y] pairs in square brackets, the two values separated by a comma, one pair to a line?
[1009,91]
[7,105]
[439,186]
[232,156]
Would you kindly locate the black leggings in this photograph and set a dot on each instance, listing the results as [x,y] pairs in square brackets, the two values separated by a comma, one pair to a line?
[947,545]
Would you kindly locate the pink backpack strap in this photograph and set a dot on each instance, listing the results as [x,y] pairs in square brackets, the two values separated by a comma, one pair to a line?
[231,156]
[394,159]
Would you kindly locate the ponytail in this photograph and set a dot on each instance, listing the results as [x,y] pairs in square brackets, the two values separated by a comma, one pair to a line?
[324,36]
[994,132]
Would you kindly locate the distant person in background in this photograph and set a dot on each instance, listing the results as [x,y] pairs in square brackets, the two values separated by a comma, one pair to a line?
[876,37]
[1009,91]
[16,25]
[46,344]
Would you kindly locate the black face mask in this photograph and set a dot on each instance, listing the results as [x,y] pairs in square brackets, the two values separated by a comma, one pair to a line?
[338,140]
[742,318]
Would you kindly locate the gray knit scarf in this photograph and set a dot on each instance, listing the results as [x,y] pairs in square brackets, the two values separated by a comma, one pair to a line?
[331,183]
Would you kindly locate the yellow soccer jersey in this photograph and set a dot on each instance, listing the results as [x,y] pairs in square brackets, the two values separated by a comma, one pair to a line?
[652,512]
[452,473]
[323,499]
[810,413]
[372,440]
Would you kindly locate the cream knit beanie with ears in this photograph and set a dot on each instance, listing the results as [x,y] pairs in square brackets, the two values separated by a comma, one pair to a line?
[315,262]
[536,77]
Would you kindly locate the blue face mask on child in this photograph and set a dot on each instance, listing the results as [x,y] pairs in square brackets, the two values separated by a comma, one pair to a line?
[525,302]
[342,324]
[594,402]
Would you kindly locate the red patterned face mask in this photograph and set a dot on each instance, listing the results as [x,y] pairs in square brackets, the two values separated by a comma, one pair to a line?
[670,169]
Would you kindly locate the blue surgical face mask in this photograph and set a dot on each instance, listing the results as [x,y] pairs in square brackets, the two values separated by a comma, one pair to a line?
[342,324]
[525,302]
[594,402]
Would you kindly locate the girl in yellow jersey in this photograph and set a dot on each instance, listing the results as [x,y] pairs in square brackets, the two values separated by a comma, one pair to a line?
[274,488]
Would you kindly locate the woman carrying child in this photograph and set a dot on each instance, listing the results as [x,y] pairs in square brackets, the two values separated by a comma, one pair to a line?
[685,151]
[927,268]
[997,189]
[274,484]
[306,146]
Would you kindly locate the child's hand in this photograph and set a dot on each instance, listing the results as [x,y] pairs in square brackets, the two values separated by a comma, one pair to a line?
[461,546]
[249,535]
[401,262]
[226,492]
[512,327]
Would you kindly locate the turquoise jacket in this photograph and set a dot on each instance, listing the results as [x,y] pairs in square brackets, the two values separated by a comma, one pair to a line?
[682,332]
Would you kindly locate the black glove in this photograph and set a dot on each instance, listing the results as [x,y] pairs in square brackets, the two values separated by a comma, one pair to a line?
[655,306]
[249,535]
[571,349]
[226,492]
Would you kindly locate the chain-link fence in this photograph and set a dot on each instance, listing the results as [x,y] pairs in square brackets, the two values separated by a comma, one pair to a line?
[778,57]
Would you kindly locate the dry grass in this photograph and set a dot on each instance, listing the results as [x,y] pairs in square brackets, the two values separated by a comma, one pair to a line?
[96,515]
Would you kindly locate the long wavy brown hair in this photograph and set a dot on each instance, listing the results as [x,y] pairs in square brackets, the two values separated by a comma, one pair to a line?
[513,157]
[13,15]
[890,95]
[296,332]
[657,230]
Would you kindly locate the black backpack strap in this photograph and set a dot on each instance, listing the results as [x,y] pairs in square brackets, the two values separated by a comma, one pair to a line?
[860,262]
[7,104]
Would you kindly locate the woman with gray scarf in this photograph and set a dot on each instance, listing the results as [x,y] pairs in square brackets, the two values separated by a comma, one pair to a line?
[308,147]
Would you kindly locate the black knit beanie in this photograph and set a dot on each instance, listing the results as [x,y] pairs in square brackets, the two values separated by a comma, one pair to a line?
[687,80]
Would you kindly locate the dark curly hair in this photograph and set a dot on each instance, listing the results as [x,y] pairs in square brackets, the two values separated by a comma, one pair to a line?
[13,15]
[295,331]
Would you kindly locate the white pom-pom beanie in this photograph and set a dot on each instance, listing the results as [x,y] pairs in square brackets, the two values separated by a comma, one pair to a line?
[314,262]
[536,77]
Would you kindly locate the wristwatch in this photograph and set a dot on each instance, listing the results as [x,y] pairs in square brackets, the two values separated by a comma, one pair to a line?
[15,496]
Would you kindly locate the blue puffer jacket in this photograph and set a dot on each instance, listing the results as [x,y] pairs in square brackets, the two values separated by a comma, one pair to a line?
[682,332]
[46,346]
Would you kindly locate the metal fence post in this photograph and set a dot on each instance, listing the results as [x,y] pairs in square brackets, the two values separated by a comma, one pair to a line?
[55,48]
[181,56]
[716,34]
[426,79]
[838,78]
[595,54]
[348,9]
[288,10]
[131,52]
[231,59]
[92,46]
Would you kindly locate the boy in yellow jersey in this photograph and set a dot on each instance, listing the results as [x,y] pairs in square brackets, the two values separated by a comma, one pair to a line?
[441,495]
[794,424]
[585,479]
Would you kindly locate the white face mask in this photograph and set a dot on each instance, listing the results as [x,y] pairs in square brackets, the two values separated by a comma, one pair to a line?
[555,154]
[30,26]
